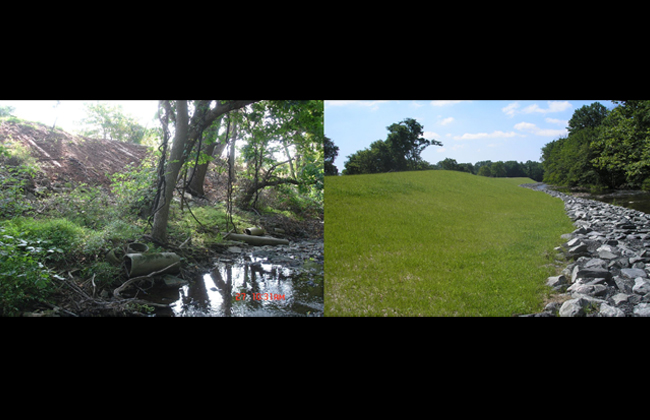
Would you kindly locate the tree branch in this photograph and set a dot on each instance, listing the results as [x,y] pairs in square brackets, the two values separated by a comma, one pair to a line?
[213,114]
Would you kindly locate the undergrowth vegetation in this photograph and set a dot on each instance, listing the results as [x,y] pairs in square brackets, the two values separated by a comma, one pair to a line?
[438,243]
[70,231]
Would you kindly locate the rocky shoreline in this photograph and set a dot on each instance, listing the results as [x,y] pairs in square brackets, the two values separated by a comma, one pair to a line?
[610,259]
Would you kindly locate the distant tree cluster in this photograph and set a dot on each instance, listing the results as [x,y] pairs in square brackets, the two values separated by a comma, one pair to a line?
[111,122]
[499,169]
[331,152]
[604,148]
[6,111]
[400,151]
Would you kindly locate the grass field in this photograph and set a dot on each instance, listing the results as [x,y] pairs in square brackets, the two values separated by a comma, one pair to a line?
[438,243]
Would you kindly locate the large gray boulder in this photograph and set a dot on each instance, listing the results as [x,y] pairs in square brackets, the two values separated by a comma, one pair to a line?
[641,286]
[590,273]
[632,273]
[610,311]
[642,309]
[577,307]
[556,281]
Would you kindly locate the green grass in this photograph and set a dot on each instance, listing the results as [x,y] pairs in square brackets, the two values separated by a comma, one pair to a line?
[438,243]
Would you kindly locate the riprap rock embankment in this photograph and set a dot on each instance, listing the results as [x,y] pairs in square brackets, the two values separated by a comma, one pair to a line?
[610,259]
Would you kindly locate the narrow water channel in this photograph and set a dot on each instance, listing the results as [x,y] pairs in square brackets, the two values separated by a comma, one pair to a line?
[632,199]
[245,287]
[637,200]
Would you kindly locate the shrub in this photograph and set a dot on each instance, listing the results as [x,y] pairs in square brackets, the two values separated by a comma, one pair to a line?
[17,168]
[646,185]
[135,188]
[60,235]
[105,274]
[23,279]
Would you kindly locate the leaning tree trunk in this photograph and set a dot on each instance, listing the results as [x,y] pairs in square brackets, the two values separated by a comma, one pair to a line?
[159,231]
[183,139]
[215,149]
[198,177]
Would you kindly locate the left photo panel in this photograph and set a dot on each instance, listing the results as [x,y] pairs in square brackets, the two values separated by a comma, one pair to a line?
[162,208]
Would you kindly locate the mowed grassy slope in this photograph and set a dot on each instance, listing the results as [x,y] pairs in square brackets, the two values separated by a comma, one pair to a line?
[438,243]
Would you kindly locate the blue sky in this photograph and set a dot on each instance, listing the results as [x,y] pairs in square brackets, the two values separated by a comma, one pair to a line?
[68,113]
[470,131]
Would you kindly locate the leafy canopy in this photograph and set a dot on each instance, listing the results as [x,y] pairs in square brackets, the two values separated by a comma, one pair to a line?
[399,152]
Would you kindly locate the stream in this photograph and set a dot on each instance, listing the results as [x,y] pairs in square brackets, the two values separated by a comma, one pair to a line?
[266,281]
[632,199]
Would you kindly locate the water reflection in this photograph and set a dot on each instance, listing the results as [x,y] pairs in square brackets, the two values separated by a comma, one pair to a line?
[637,200]
[248,287]
[631,199]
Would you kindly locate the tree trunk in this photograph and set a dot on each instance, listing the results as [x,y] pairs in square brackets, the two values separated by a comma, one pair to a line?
[184,138]
[198,178]
[159,231]
[286,150]
[232,152]
[198,174]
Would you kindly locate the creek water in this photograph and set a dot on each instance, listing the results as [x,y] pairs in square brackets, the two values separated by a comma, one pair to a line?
[632,199]
[247,286]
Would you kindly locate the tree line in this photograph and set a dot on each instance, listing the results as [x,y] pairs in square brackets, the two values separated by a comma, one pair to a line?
[401,151]
[498,169]
[603,149]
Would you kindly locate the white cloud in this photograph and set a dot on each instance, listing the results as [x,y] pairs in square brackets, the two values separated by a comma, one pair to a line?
[553,106]
[430,135]
[556,121]
[510,109]
[441,149]
[447,121]
[524,126]
[495,134]
[532,128]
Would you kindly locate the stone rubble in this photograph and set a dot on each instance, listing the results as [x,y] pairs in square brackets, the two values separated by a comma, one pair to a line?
[610,259]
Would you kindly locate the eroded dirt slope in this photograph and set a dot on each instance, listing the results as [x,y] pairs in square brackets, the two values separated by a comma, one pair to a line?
[67,157]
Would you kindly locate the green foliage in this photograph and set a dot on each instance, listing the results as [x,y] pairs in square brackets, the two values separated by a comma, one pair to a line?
[588,116]
[106,274]
[5,111]
[568,161]
[17,169]
[135,188]
[284,145]
[23,279]
[26,245]
[62,236]
[603,149]
[485,171]
[645,186]
[213,219]
[399,152]
[110,122]
[623,146]
[331,152]
[510,169]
